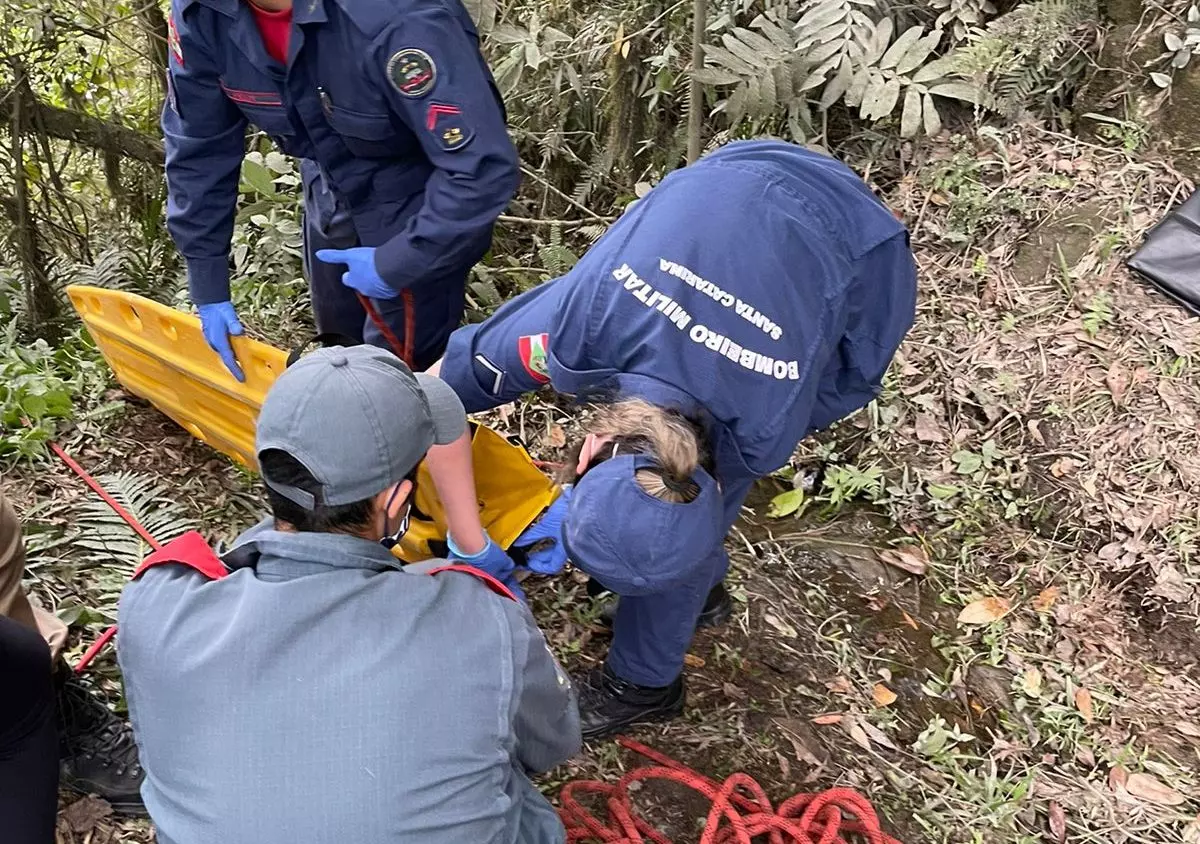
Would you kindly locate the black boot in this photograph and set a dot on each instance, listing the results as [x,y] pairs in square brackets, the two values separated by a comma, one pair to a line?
[96,748]
[718,607]
[608,704]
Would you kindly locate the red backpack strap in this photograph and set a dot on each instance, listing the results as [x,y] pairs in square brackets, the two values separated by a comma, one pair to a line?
[190,550]
[488,581]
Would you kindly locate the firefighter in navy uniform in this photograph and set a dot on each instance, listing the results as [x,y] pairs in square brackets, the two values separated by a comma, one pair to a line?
[747,301]
[406,160]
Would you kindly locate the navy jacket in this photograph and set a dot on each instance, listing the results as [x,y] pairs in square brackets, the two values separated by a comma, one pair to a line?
[391,98]
[763,289]
[320,693]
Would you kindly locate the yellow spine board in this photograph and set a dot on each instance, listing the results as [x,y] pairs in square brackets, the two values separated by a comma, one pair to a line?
[159,354]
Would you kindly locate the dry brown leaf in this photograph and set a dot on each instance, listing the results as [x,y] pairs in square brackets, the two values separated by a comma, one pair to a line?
[85,814]
[1083,702]
[1062,467]
[877,735]
[1187,729]
[910,621]
[1031,682]
[909,558]
[1191,832]
[1117,778]
[1146,787]
[693,661]
[840,685]
[1058,822]
[556,437]
[1117,381]
[857,733]
[1046,598]
[928,430]
[984,611]
[1035,432]
[883,695]
[826,720]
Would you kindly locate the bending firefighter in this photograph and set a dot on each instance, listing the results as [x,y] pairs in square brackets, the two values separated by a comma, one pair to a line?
[747,301]
[406,160]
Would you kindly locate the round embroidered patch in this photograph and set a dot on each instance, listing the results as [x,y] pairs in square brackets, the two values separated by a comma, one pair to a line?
[412,72]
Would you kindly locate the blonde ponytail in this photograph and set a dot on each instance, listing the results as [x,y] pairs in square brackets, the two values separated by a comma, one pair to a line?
[671,440]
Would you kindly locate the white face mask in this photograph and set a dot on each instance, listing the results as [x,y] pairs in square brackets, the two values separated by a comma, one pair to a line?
[392,540]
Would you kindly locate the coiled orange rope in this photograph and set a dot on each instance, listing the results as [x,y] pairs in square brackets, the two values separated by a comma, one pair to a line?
[741,810]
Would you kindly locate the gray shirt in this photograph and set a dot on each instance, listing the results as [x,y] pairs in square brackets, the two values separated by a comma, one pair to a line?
[321,694]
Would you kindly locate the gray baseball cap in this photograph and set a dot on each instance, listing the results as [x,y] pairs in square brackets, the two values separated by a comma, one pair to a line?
[357,419]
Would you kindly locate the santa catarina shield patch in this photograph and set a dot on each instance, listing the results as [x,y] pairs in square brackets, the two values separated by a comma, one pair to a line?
[412,72]
[533,349]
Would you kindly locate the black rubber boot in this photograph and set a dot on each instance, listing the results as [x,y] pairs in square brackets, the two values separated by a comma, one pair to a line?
[718,607]
[96,748]
[608,704]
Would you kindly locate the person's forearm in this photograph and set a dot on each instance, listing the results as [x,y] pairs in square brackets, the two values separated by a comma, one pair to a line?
[436,368]
[454,477]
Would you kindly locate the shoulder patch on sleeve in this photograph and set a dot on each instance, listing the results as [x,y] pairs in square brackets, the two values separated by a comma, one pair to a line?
[412,72]
[448,125]
[490,374]
[533,349]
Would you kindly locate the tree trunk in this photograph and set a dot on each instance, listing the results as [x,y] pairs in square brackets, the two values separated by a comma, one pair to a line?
[41,305]
[695,89]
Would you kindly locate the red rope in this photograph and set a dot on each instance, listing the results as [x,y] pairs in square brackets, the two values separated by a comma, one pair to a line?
[739,803]
[97,646]
[405,349]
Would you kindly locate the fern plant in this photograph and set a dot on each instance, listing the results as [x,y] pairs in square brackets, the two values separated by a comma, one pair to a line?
[1029,54]
[834,52]
[104,537]
[556,257]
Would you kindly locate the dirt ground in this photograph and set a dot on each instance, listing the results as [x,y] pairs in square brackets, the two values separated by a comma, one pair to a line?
[1033,456]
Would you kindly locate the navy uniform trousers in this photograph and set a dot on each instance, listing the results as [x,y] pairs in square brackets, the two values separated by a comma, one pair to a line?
[437,303]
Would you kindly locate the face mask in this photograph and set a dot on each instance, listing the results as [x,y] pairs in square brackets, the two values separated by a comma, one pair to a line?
[392,540]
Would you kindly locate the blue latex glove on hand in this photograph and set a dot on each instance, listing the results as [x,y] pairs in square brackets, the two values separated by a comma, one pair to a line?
[360,274]
[548,560]
[491,560]
[218,321]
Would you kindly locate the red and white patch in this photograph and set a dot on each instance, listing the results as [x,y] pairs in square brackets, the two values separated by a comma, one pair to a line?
[534,350]
[173,41]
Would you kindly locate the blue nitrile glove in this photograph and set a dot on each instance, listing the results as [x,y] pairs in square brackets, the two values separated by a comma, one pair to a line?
[548,560]
[491,560]
[218,321]
[360,272]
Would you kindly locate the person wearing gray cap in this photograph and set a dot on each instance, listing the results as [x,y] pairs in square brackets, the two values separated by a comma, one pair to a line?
[308,687]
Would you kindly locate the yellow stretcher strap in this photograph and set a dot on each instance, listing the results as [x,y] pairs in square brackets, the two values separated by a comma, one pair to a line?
[160,355]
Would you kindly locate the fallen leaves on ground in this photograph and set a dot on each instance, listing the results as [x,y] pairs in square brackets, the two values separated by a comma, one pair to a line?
[827,719]
[883,695]
[984,611]
[1083,702]
[1058,822]
[909,558]
[86,813]
[693,661]
[1031,682]
[1150,789]
[1046,598]
[857,733]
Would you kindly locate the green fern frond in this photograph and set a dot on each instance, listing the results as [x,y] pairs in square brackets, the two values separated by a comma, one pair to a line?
[104,536]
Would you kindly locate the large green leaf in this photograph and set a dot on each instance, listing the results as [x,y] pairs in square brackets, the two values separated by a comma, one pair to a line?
[258,177]
[899,47]
[910,117]
[959,91]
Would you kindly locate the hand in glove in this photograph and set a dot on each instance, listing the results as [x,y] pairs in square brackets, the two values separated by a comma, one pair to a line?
[548,560]
[360,274]
[219,320]
[491,560]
